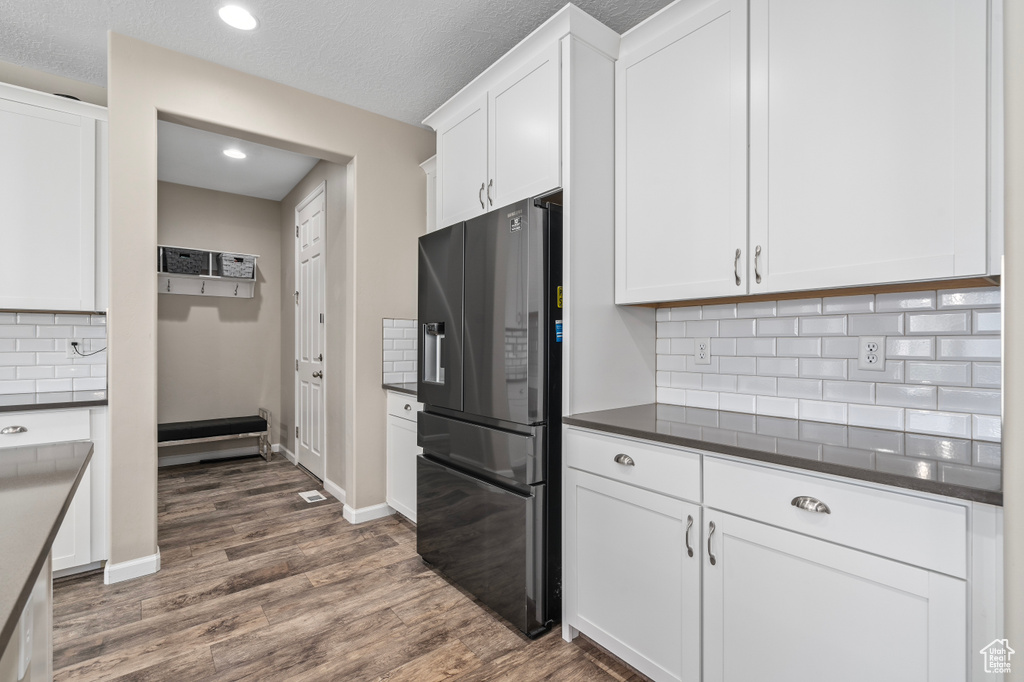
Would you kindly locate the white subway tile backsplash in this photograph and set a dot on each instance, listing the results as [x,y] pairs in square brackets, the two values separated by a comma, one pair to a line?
[778,367]
[685,380]
[849,392]
[706,399]
[737,402]
[757,347]
[672,363]
[36,345]
[987,322]
[52,385]
[939,323]
[392,377]
[692,366]
[839,347]
[848,304]
[900,395]
[70,371]
[777,326]
[18,359]
[917,300]
[698,328]
[89,332]
[974,400]
[821,411]
[392,333]
[99,320]
[36,318]
[14,331]
[797,448]
[823,368]
[800,347]
[826,434]
[944,449]
[34,372]
[757,385]
[893,372]
[939,423]
[19,386]
[802,306]
[917,348]
[731,365]
[970,476]
[683,314]
[54,332]
[718,312]
[405,344]
[671,330]
[663,346]
[757,309]
[662,378]
[861,459]
[970,298]
[662,315]
[906,466]
[800,388]
[939,373]
[987,454]
[986,427]
[671,396]
[725,383]
[399,356]
[737,328]
[968,348]
[876,417]
[8,373]
[988,374]
[8,318]
[877,324]
[720,346]
[392,355]
[823,326]
[881,441]
[778,407]
[10,345]
[684,346]
[779,428]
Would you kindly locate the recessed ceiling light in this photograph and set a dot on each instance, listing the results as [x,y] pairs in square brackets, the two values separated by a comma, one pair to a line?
[234,153]
[239,18]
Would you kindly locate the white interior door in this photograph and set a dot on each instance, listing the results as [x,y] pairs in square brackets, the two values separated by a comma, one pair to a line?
[310,228]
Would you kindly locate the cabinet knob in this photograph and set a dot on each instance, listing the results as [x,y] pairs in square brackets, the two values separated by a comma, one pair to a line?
[810,504]
[408,407]
[11,430]
[480,196]
[624,459]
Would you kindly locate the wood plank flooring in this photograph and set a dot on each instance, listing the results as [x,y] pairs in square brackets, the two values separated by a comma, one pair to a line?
[257,584]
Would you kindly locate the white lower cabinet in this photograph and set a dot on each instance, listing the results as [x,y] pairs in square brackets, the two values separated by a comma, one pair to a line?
[782,606]
[876,588]
[402,452]
[637,588]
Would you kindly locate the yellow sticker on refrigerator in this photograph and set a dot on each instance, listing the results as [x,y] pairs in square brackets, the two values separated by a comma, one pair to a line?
[559,297]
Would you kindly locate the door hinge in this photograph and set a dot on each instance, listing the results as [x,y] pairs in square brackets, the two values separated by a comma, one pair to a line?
[296,431]
[296,365]
[296,230]
[296,297]
[321,318]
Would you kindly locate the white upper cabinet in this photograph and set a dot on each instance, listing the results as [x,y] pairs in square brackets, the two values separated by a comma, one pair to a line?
[523,126]
[48,191]
[868,141]
[681,158]
[462,164]
[869,128]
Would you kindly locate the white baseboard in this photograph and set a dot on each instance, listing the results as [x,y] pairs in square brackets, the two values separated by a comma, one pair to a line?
[63,572]
[134,568]
[335,490]
[364,514]
[289,455]
[193,457]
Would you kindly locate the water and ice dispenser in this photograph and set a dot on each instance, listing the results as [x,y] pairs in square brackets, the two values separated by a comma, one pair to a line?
[433,342]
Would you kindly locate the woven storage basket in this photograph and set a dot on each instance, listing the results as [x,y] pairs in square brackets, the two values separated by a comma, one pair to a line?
[236,265]
[183,261]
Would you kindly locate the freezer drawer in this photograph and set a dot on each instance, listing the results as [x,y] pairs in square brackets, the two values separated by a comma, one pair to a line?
[488,540]
[513,458]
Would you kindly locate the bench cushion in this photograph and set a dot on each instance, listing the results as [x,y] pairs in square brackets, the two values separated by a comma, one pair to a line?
[209,428]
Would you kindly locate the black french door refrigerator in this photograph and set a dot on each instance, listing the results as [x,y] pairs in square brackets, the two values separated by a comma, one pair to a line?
[488,483]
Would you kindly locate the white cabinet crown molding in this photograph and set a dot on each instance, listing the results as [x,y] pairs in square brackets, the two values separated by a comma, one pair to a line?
[570,19]
[55,102]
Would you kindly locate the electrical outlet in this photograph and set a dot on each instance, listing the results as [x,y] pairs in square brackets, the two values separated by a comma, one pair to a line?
[702,351]
[871,353]
[70,347]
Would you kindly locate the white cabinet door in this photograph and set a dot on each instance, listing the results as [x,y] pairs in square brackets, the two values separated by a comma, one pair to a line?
[780,606]
[523,132]
[631,584]
[868,141]
[73,544]
[48,200]
[402,451]
[681,159]
[462,165]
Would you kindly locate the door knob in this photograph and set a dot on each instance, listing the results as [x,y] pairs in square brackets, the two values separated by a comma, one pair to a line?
[318,375]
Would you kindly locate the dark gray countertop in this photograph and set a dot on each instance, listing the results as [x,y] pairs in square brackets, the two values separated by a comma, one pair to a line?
[19,402]
[409,388]
[955,467]
[37,484]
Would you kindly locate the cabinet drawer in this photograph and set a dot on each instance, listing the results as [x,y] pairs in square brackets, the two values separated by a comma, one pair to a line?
[664,470]
[44,426]
[919,531]
[403,405]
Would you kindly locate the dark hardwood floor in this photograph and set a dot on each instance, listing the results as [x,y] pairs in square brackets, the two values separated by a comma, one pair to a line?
[257,584]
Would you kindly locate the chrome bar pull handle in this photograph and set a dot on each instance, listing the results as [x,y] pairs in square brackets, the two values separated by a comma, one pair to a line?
[810,504]
[480,196]
[490,184]
[757,264]
[736,267]
[689,525]
[711,532]
[624,459]
[11,430]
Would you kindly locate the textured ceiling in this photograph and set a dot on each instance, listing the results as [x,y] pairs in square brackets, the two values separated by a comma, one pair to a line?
[196,158]
[399,58]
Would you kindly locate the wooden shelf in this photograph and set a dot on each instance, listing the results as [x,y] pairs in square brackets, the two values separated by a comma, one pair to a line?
[206,283]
